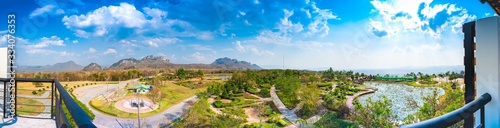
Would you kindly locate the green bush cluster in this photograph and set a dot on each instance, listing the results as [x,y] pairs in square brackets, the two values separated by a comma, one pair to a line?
[331,120]
[264,93]
[323,84]
[235,102]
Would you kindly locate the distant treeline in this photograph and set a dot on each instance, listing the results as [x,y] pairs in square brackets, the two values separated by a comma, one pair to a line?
[109,75]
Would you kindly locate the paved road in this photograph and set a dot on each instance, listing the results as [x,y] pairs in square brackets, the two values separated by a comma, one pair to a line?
[86,93]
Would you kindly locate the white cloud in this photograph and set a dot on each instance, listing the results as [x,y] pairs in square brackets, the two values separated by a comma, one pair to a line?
[46,42]
[267,36]
[173,57]
[155,13]
[109,51]
[401,15]
[260,52]
[110,21]
[92,50]
[152,44]
[105,18]
[155,42]
[129,43]
[199,47]
[66,54]
[251,49]
[40,51]
[238,46]
[75,41]
[47,9]
[204,35]
[286,26]
[242,13]
[125,14]
[319,25]
[198,56]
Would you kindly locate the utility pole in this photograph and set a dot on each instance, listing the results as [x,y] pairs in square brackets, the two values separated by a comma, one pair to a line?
[139,107]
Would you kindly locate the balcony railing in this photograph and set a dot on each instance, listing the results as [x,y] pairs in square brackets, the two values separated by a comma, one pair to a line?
[61,97]
[455,116]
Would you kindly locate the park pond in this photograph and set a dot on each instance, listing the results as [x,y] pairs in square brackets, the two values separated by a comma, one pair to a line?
[398,94]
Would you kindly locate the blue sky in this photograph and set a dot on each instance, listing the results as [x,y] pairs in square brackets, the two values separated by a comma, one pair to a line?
[357,34]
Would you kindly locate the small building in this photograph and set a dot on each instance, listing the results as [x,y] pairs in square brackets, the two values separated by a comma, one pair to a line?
[141,88]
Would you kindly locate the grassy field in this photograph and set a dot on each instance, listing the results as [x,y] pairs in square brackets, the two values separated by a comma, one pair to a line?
[29,107]
[174,94]
[27,88]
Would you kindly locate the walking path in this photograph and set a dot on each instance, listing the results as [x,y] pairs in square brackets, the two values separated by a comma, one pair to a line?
[86,93]
[350,99]
[287,113]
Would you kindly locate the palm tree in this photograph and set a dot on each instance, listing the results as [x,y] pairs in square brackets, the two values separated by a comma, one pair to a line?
[274,116]
[301,122]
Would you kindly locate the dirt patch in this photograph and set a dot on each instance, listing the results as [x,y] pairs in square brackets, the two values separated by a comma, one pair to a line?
[225,101]
[253,115]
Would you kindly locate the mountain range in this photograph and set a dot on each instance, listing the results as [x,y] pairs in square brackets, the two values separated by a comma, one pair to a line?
[146,62]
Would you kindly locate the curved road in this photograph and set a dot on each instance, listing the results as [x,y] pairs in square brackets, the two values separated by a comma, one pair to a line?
[86,93]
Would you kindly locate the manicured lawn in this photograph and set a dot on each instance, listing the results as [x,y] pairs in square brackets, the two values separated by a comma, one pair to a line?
[29,107]
[174,94]
[27,88]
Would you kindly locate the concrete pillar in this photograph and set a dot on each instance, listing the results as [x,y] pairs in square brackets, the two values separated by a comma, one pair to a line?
[3,74]
[3,63]
[488,68]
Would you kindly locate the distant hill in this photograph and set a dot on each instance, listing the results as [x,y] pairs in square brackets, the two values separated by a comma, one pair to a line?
[146,62]
[162,62]
[58,67]
[92,67]
[227,63]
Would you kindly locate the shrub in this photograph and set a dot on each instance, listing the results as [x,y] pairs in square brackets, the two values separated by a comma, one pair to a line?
[40,90]
[282,122]
[219,104]
[238,101]
[252,90]
[43,89]
[86,83]
[33,92]
[264,93]
[324,84]
[237,94]
[47,86]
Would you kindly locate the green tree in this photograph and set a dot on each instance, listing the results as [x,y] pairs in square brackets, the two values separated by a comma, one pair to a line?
[37,84]
[374,113]
[181,73]
[200,73]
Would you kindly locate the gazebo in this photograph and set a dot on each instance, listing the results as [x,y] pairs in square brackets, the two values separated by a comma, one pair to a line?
[141,88]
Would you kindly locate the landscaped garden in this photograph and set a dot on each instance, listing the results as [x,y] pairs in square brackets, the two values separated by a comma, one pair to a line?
[164,96]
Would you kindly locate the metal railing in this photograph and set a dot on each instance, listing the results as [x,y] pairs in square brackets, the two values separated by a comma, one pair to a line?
[456,116]
[61,97]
